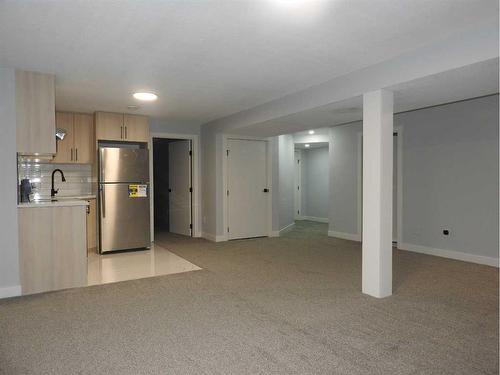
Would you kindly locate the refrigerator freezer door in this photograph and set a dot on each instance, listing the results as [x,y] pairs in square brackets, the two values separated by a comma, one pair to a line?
[124,218]
[118,164]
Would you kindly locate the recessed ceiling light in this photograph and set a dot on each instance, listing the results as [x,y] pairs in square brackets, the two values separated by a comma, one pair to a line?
[145,96]
[311,131]
[307,145]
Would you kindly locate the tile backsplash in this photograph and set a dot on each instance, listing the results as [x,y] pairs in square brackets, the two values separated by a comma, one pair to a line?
[78,178]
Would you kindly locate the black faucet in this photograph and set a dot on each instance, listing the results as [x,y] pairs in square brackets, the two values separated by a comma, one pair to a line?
[53,191]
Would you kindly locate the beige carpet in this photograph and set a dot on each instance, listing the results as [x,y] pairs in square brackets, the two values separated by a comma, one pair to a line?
[288,305]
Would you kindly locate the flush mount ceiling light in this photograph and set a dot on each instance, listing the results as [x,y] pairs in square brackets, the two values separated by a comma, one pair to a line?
[145,96]
[311,132]
[307,145]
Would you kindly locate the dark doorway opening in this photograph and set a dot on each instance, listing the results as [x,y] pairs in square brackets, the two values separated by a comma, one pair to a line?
[172,178]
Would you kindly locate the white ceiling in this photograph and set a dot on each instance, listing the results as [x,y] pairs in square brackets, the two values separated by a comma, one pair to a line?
[468,82]
[208,59]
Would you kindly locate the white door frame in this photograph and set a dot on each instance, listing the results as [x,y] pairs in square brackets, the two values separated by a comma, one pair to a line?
[399,183]
[196,197]
[225,206]
[298,201]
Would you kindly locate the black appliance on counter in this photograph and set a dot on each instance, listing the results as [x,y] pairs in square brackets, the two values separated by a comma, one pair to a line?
[25,190]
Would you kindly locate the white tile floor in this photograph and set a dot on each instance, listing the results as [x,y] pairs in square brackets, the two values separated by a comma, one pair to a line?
[110,268]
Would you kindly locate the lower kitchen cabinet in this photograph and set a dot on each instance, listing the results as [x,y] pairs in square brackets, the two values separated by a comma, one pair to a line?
[52,247]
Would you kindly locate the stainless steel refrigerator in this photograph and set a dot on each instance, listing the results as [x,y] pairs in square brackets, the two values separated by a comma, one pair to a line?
[123,199]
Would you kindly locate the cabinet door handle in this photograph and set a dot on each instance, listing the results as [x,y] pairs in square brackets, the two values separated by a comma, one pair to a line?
[125,132]
[121,132]
[76,154]
[71,154]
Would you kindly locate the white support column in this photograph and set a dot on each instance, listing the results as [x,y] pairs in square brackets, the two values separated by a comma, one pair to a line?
[377,193]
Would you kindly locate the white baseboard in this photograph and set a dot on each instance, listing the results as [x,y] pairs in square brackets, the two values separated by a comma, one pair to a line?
[466,257]
[317,219]
[213,238]
[282,231]
[10,291]
[345,236]
[286,229]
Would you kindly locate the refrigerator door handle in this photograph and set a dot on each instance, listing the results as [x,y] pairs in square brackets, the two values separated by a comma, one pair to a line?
[99,165]
[103,201]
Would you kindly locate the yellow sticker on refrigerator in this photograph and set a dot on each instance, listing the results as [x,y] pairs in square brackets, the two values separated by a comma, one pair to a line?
[137,191]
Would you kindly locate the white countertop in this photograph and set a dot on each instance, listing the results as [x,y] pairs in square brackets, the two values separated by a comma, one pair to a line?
[58,203]
[72,197]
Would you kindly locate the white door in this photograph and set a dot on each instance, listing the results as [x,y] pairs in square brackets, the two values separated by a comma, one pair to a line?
[247,184]
[297,186]
[179,180]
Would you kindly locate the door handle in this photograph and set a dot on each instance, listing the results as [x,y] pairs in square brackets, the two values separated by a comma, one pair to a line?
[125,132]
[103,201]
[121,132]
[71,154]
[76,153]
[266,190]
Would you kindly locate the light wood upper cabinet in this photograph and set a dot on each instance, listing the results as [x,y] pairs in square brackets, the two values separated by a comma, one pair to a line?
[78,144]
[84,143]
[121,127]
[64,154]
[136,128]
[35,113]
[109,126]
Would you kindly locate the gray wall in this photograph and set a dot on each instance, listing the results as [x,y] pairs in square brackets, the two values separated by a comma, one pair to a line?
[344,178]
[315,183]
[208,182]
[450,176]
[286,180]
[9,261]
[275,183]
[212,184]
[283,181]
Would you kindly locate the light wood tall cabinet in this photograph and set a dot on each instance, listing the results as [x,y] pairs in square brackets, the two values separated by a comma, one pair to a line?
[121,127]
[35,113]
[78,144]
